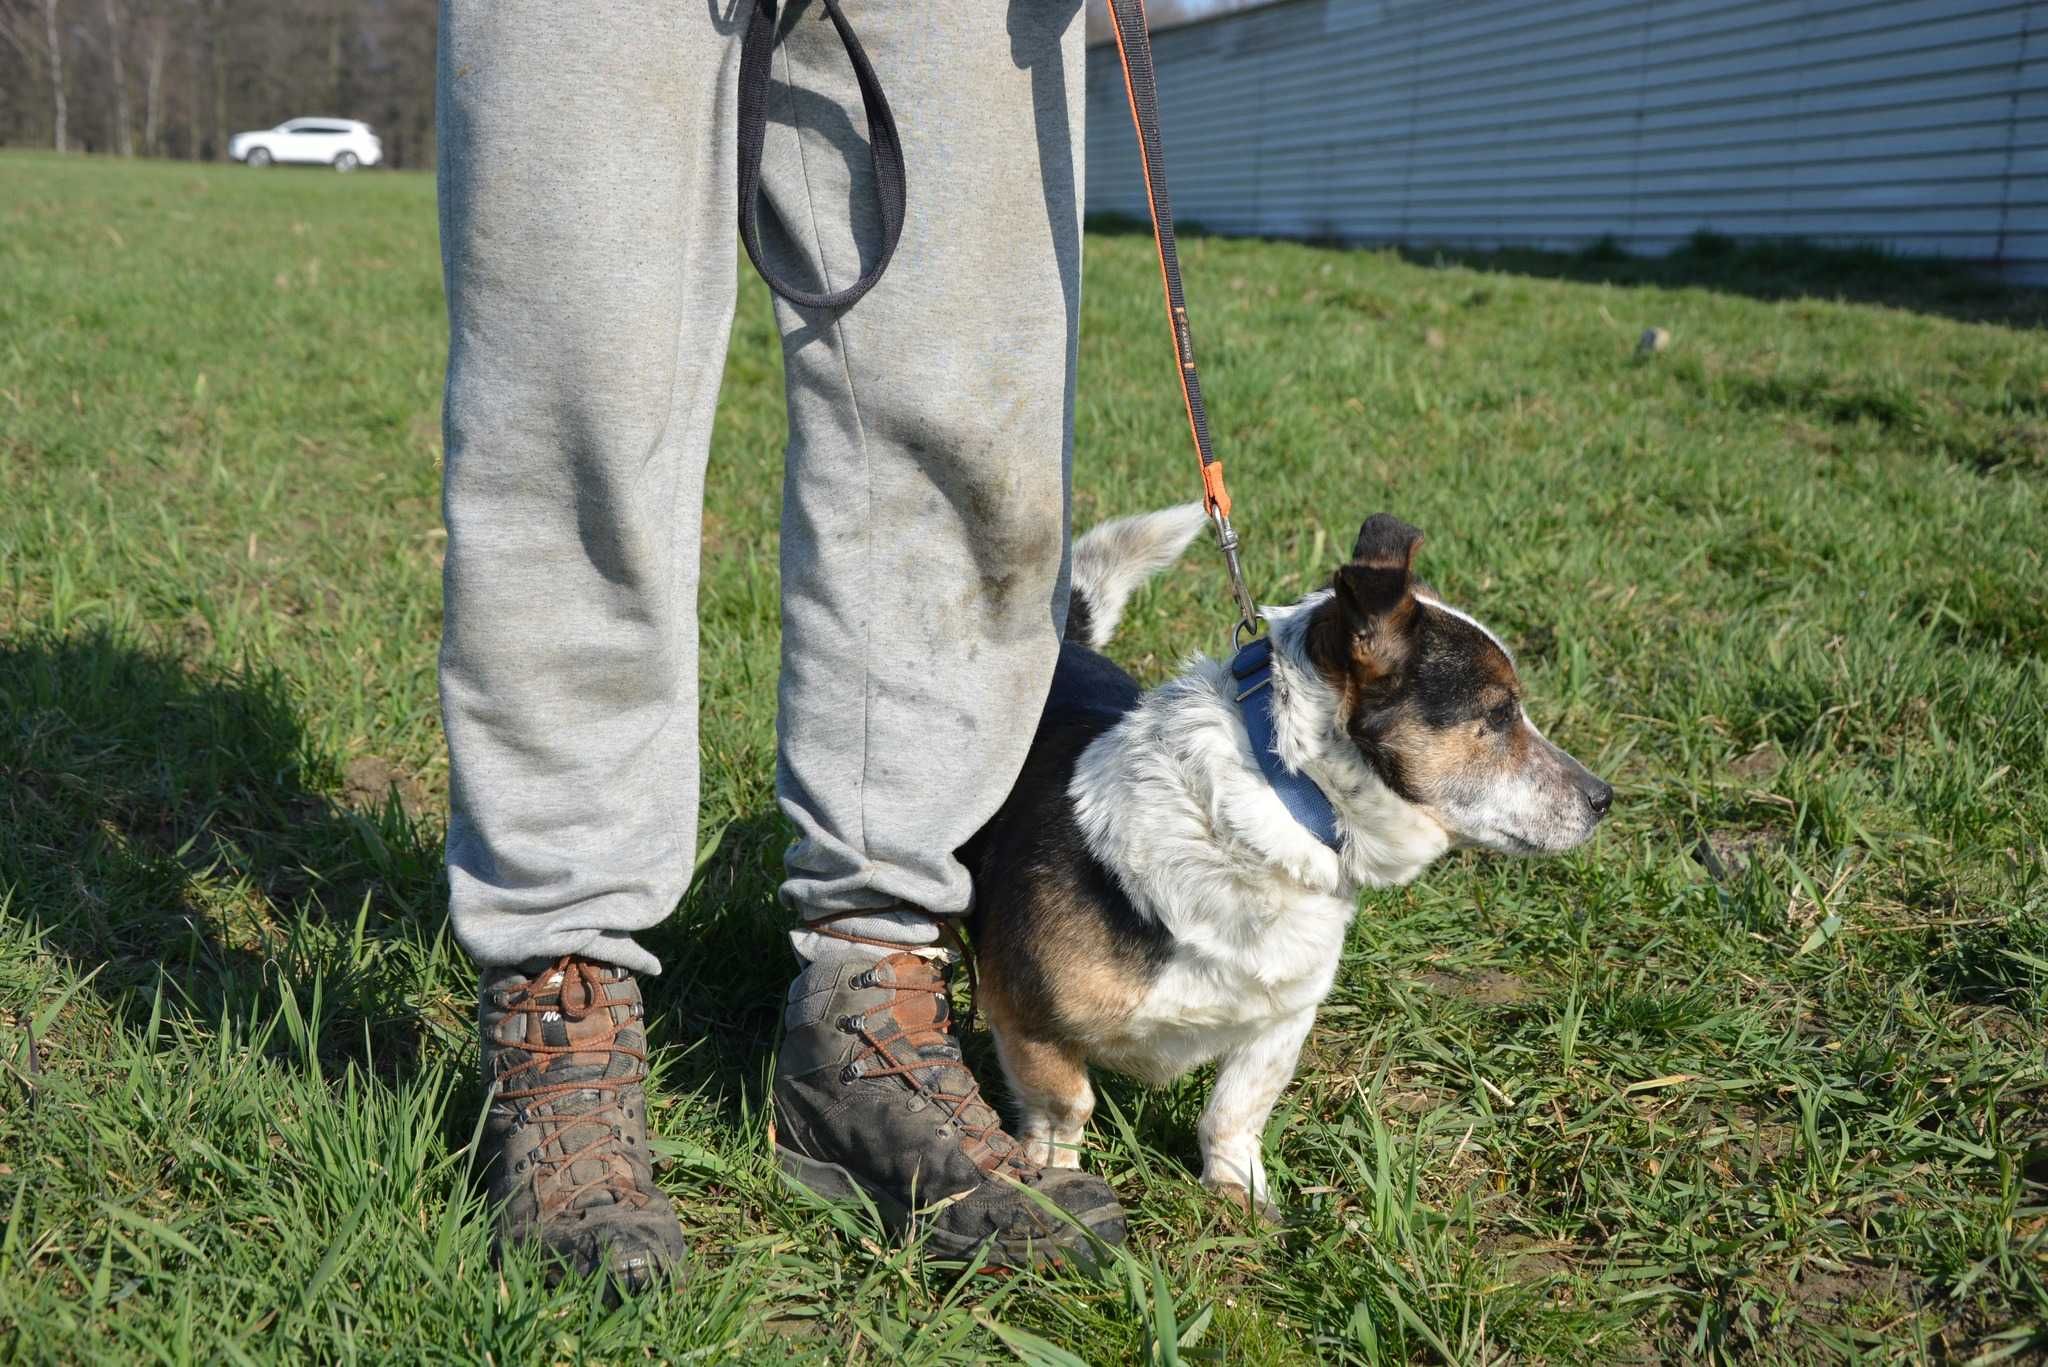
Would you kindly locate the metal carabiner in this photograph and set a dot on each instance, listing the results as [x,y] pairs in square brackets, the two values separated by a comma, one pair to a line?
[1247,611]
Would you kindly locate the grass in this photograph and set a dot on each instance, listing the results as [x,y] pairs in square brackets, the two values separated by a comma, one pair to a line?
[1758,1073]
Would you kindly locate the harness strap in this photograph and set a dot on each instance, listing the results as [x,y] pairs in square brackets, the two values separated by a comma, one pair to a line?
[1134,52]
[885,148]
[1252,667]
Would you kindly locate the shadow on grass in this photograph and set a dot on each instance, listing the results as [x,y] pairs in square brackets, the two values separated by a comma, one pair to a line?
[726,965]
[1777,271]
[165,825]
[1765,270]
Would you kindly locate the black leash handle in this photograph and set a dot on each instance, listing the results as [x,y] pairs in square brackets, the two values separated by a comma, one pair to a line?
[1134,52]
[757,51]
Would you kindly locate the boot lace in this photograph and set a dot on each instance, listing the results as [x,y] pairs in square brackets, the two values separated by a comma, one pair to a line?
[932,1049]
[577,989]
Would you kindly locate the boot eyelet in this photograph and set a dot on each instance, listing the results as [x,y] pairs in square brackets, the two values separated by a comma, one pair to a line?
[850,1073]
[864,978]
[848,1024]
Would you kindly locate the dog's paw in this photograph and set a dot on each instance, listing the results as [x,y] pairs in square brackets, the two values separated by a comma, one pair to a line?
[1047,1154]
[1259,1208]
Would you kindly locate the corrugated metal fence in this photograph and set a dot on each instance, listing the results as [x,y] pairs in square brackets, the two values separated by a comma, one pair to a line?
[1921,125]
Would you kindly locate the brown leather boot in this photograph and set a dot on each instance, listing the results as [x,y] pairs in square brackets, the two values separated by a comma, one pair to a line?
[872,1097]
[565,1054]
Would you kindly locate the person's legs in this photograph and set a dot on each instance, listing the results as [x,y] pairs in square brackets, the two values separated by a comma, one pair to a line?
[925,505]
[587,210]
[587,204]
[923,589]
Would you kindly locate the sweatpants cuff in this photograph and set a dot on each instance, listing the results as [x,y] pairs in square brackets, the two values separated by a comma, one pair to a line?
[614,947]
[898,930]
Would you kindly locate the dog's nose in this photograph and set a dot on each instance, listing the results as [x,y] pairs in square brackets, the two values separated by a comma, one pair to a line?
[1601,796]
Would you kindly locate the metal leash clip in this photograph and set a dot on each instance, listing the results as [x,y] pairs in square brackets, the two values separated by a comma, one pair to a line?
[1248,618]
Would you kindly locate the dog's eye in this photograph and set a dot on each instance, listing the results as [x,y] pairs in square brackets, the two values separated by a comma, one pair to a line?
[1503,716]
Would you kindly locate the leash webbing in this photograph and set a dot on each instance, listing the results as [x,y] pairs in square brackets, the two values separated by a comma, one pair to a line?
[1134,52]
[885,149]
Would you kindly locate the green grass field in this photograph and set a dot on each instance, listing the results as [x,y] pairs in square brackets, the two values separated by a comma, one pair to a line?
[1758,1073]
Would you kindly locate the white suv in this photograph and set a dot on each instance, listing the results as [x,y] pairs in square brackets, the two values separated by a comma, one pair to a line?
[343,144]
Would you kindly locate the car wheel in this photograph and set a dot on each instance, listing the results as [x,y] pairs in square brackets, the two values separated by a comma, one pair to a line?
[258,156]
[345,162]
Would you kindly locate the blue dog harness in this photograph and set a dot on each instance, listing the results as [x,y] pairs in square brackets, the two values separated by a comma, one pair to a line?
[1252,667]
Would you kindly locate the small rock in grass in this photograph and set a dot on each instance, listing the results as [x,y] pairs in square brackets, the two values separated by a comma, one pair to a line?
[1652,341]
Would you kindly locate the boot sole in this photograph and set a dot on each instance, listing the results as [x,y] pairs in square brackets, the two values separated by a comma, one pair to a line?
[831,1182]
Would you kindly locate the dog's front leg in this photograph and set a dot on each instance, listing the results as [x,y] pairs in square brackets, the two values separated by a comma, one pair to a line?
[1049,1083]
[1249,1080]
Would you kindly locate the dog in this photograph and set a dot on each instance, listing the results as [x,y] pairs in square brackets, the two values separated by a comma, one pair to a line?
[1155,894]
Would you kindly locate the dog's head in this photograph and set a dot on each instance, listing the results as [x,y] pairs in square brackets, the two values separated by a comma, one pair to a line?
[1433,704]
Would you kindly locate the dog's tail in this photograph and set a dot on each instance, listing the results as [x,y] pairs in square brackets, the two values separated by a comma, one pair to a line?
[1112,560]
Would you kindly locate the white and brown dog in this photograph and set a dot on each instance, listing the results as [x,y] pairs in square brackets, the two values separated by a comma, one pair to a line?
[1171,879]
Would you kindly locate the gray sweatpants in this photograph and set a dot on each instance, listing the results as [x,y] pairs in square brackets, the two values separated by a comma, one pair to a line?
[587,234]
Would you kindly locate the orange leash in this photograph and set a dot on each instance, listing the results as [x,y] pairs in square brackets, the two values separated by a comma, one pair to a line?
[1134,51]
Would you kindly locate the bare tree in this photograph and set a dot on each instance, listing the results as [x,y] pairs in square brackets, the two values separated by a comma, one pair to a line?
[54,39]
[158,42]
[124,124]
[178,77]
[18,29]
[335,23]
[217,75]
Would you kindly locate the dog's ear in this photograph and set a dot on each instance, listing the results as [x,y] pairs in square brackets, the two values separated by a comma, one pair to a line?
[1375,593]
[1386,542]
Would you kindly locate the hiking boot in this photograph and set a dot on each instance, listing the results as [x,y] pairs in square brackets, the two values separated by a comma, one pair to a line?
[565,1054]
[872,1096]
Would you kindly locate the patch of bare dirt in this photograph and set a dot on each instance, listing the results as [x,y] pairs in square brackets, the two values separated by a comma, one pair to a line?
[1858,1293]
[1759,764]
[1416,1099]
[1525,1260]
[1487,987]
[368,780]
[1727,855]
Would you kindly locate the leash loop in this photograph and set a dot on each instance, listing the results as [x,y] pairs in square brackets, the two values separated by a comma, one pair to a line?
[885,150]
[1134,52]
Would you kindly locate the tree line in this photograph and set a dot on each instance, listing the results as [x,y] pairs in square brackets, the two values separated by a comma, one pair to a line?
[178,78]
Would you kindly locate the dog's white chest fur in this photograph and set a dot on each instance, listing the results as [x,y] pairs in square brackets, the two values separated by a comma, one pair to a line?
[1174,802]
[1205,1005]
